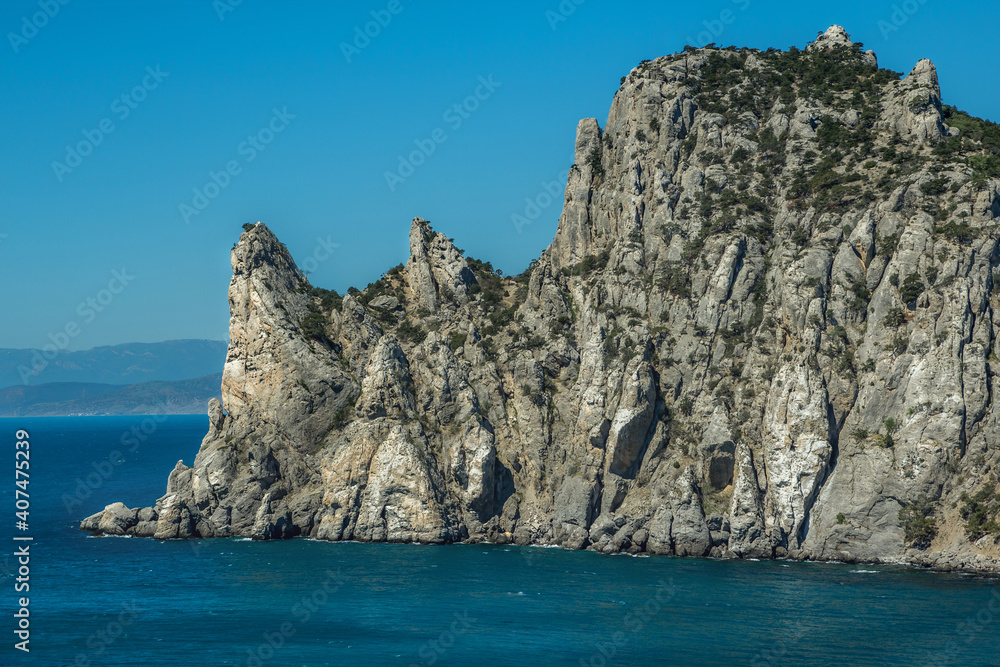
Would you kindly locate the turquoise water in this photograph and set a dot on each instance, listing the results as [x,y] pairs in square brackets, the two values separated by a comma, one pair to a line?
[116,601]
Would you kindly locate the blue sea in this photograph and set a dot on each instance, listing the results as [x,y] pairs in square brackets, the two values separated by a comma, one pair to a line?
[121,601]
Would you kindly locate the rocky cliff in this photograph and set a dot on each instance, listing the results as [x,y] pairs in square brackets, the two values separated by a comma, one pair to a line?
[765,328]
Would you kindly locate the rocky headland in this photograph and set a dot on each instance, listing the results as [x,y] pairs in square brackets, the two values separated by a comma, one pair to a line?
[765,328]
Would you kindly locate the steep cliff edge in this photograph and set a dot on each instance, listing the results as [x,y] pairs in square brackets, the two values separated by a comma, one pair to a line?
[765,328]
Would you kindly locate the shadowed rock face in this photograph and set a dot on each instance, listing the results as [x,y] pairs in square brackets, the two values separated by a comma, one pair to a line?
[764,327]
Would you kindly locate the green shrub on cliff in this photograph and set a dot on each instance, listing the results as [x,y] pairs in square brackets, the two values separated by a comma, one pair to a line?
[918,525]
[911,288]
[314,326]
[411,332]
[981,511]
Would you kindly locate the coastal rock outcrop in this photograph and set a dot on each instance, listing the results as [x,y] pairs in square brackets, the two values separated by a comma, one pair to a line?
[765,328]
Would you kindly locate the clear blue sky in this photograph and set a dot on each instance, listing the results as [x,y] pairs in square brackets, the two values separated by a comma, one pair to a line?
[323,174]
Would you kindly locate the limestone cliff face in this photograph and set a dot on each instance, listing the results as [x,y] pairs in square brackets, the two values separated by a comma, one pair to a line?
[765,328]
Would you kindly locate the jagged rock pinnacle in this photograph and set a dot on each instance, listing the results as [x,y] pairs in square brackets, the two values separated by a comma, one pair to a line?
[436,269]
[835,35]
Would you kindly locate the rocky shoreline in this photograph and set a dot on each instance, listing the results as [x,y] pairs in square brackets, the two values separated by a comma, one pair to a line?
[120,520]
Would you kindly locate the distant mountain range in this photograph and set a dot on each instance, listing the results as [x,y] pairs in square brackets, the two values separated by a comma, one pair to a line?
[124,364]
[92,398]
